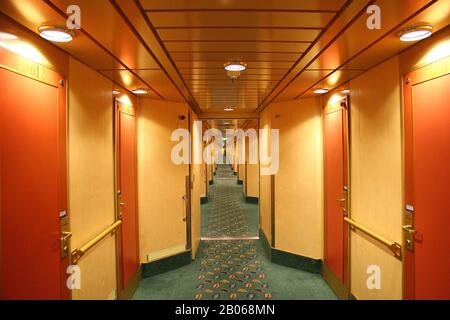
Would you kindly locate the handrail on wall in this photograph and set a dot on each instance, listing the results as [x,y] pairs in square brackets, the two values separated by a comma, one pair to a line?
[395,247]
[78,253]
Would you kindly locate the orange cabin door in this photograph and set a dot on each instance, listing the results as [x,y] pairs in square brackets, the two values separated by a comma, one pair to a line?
[336,192]
[127,191]
[33,188]
[427,183]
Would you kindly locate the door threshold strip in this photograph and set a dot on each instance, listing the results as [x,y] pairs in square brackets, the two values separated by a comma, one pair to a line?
[228,238]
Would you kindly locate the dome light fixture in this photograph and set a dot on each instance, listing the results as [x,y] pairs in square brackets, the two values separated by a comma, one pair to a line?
[235,66]
[415,33]
[56,33]
[320,91]
[140,91]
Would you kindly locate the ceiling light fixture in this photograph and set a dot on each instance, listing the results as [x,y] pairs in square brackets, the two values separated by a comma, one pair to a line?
[139,91]
[56,33]
[320,91]
[228,109]
[234,69]
[415,33]
[235,66]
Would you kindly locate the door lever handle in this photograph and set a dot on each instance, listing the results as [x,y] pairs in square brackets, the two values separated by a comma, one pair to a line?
[341,200]
[408,228]
[123,204]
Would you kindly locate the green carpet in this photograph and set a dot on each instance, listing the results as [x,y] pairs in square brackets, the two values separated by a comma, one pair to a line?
[268,280]
[231,270]
[227,214]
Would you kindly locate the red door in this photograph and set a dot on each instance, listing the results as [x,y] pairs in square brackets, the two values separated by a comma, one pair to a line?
[32,182]
[127,189]
[427,182]
[336,191]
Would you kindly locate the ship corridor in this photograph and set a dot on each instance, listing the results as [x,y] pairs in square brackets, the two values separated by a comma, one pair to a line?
[224,150]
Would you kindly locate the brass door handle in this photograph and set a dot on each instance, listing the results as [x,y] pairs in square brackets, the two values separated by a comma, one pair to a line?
[341,200]
[123,204]
[66,235]
[408,228]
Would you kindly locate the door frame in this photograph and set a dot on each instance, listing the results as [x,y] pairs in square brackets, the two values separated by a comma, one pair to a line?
[342,290]
[425,73]
[127,292]
[22,66]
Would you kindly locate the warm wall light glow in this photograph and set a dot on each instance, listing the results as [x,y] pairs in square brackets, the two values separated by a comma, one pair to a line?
[14,44]
[320,91]
[139,91]
[56,33]
[233,66]
[7,36]
[228,109]
[438,52]
[415,33]
[125,100]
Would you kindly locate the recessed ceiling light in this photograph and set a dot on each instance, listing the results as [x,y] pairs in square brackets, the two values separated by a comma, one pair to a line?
[228,109]
[56,33]
[235,66]
[139,91]
[320,91]
[115,92]
[415,33]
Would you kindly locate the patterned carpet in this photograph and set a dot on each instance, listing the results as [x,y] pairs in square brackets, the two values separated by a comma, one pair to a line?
[225,213]
[231,270]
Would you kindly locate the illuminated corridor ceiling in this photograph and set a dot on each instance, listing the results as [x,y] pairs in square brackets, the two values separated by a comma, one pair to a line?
[177,49]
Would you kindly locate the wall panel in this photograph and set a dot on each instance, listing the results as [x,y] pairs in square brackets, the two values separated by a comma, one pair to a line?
[162,183]
[91,177]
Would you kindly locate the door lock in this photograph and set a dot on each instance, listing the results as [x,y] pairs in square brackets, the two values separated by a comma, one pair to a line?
[344,203]
[409,237]
[65,243]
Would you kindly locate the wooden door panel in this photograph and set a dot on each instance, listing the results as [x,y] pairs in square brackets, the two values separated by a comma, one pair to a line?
[33,188]
[427,181]
[127,176]
[431,140]
[334,184]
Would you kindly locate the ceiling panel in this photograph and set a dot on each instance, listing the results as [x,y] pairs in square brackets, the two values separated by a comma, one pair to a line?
[237,34]
[219,64]
[127,79]
[161,83]
[205,19]
[105,25]
[309,78]
[240,4]
[269,36]
[394,12]
[214,72]
[248,77]
[242,46]
[235,56]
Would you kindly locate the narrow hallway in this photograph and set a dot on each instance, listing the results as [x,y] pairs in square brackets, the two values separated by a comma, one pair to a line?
[227,215]
[204,151]
[232,269]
